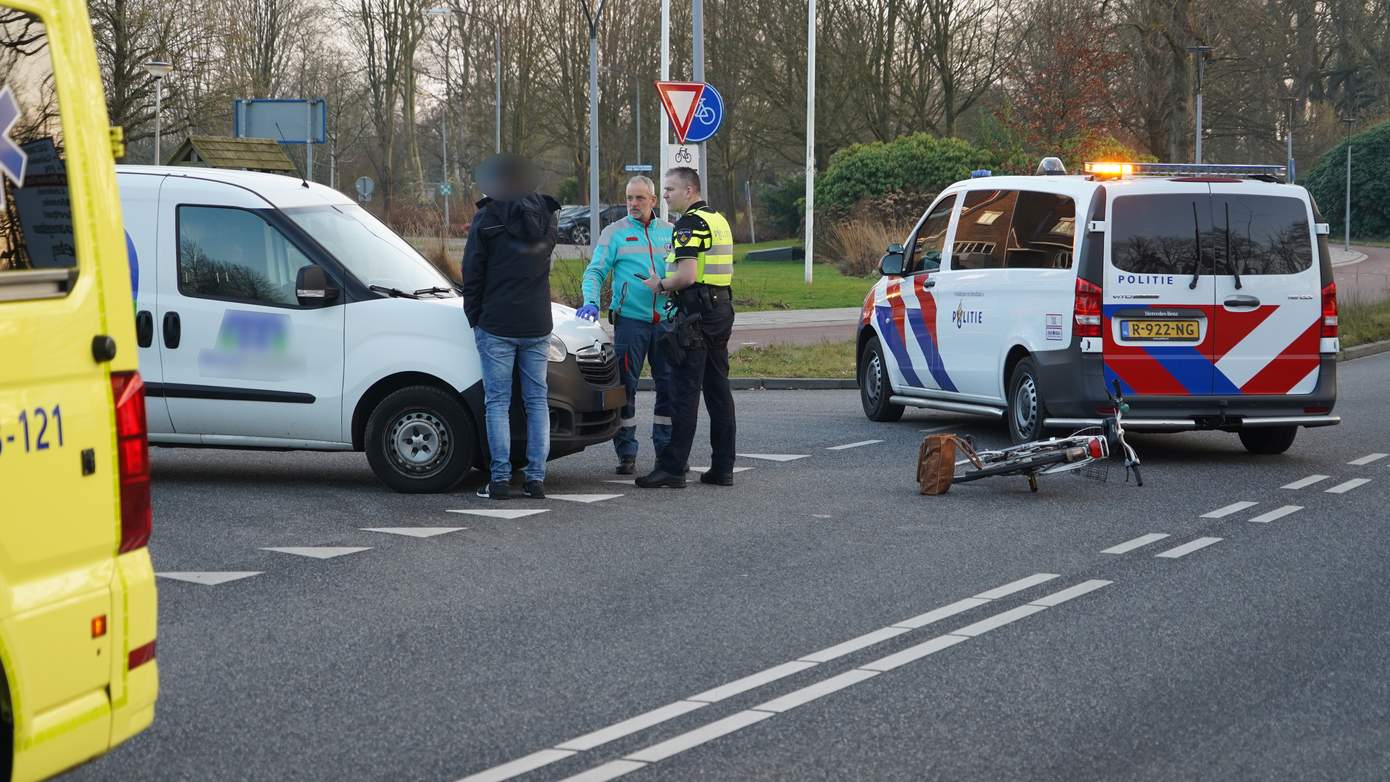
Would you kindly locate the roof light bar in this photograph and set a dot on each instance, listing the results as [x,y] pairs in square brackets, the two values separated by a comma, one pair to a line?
[1185,169]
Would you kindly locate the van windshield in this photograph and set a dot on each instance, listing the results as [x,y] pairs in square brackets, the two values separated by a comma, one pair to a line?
[370,250]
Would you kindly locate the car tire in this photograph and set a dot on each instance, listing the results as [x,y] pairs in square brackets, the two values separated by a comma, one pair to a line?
[420,439]
[580,234]
[874,388]
[1026,410]
[1268,441]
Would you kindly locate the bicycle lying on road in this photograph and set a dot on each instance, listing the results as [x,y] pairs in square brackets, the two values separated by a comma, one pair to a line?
[1085,450]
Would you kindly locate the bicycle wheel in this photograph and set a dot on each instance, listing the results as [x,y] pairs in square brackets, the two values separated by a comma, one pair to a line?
[1013,466]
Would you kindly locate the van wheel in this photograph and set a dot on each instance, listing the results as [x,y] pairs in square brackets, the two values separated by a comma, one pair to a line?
[420,440]
[874,389]
[1272,440]
[1026,411]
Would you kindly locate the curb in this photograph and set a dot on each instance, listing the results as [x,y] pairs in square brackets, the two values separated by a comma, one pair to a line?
[777,384]
[1355,258]
[1362,351]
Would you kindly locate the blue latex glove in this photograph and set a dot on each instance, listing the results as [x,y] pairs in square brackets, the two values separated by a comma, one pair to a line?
[588,312]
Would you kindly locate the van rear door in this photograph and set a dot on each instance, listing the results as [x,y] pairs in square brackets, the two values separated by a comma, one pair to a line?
[1158,332]
[1268,290]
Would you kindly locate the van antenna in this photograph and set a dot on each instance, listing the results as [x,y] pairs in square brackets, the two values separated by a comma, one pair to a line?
[302,179]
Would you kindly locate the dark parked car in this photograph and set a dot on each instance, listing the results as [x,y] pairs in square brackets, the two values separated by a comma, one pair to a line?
[574,223]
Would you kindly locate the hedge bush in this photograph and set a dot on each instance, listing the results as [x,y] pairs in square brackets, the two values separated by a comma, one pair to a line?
[1370,184]
[920,163]
[784,205]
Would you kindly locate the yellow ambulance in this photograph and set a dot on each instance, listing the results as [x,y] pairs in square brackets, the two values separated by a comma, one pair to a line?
[77,594]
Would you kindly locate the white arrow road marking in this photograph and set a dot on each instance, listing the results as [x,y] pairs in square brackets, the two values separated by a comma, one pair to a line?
[1139,542]
[1343,488]
[1277,513]
[1235,507]
[209,577]
[414,532]
[500,513]
[1187,548]
[1375,457]
[317,552]
[1303,483]
[585,498]
[776,457]
[848,446]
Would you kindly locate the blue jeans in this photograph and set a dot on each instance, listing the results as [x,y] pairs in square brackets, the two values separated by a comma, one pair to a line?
[528,354]
[634,342]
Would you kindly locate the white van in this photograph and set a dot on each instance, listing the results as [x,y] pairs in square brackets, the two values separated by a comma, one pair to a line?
[274,313]
[1204,291]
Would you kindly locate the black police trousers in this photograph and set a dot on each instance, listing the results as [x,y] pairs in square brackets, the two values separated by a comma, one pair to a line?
[705,369]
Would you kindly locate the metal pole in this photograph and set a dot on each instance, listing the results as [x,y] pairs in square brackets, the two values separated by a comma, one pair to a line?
[1288,132]
[810,136]
[444,134]
[665,121]
[309,140]
[1198,131]
[1346,241]
[497,99]
[593,128]
[158,105]
[697,24]
[752,229]
[637,115]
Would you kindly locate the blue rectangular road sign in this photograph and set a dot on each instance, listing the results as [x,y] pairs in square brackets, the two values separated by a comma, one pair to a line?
[637,167]
[288,121]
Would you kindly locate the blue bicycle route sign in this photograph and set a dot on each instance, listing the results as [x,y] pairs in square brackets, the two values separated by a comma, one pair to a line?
[708,116]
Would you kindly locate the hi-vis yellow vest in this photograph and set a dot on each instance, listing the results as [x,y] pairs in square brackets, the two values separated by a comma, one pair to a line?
[715,263]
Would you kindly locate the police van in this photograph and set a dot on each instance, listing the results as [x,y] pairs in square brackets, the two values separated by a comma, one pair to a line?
[1206,291]
[78,673]
[275,313]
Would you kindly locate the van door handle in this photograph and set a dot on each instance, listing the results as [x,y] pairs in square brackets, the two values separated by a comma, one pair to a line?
[1242,301]
[173,330]
[929,283]
[144,328]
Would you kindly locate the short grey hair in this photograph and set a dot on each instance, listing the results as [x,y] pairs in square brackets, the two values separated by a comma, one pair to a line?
[687,176]
[643,180]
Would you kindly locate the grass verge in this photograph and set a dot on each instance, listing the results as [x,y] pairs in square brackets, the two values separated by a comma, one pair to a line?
[1362,322]
[825,359]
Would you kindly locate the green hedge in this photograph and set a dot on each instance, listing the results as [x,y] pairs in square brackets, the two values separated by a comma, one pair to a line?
[1370,184]
[920,163]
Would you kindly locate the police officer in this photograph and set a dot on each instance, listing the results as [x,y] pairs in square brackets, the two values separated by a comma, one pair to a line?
[629,251]
[699,272]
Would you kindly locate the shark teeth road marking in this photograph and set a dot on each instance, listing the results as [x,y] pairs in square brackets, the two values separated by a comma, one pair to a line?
[1277,513]
[1139,542]
[776,457]
[1343,488]
[1367,459]
[1303,483]
[585,498]
[1235,507]
[414,532]
[209,577]
[706,469]
[317,552]
[1187,548]
[498,513]
[848,446]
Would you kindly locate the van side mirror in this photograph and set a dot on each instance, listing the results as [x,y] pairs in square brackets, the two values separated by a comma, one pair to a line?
[892,264]
[312,287]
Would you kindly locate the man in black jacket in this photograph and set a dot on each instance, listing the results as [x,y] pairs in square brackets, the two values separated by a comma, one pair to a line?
[506,296]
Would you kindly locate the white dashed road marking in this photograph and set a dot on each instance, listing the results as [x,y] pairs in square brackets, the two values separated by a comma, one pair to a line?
[1235,507]
[1139,542]
[499,513]
[414,532]
[1303,483]
[699,736]
[1343,488]
[736,470]
[519,766]
[751,682]
[848,446]
[630,726]
[628,482]
[585,498]
[1187,548]
[1375,457]
[776,457]
[1016,586]
[317,552]
[209,577]
[1276,514]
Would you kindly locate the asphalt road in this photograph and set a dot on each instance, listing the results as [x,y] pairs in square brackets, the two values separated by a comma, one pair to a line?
[984,634]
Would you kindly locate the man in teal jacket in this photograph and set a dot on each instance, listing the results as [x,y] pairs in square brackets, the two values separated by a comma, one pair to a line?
[628,251]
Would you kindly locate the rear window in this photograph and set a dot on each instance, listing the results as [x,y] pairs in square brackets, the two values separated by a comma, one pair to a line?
[1268,234]
[1249,234]
[35,216]
[1158,234]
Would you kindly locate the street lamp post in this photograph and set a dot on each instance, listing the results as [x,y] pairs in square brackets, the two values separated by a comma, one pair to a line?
[593,17]
[158,69]
[444,124]
[1346,236]
[1288,133]
[1201,52]
[810,138]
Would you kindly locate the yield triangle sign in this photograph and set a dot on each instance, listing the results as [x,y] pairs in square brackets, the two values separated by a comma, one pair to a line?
[681,99]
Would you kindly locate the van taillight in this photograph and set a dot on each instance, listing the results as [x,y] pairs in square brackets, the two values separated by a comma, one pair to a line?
[133,456]
[1087,308]
[1329,310]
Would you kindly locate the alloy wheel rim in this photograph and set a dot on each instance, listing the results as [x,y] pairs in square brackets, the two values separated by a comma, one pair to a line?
[419,442]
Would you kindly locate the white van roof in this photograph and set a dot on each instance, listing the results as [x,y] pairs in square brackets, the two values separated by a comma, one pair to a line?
[279,190]
[1080,187]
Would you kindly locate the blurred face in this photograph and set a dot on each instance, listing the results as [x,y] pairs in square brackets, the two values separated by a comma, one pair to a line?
[640,201]
[678,195]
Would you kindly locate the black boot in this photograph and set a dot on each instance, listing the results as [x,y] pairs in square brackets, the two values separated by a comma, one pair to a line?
[660,479]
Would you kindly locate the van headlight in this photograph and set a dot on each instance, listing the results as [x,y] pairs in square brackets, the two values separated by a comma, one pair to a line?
[557,351]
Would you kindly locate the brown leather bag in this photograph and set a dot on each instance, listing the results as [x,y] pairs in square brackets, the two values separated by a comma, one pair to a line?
[936,461]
